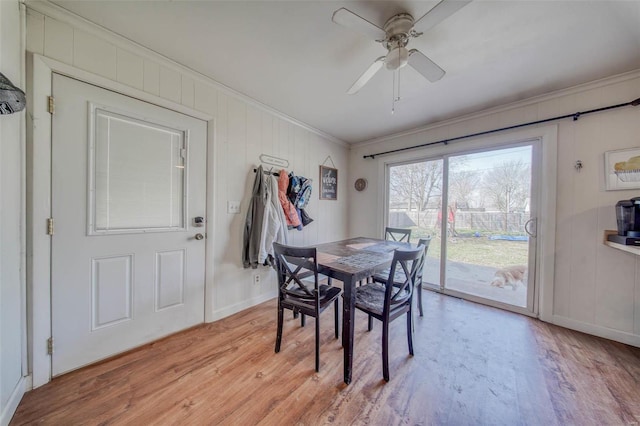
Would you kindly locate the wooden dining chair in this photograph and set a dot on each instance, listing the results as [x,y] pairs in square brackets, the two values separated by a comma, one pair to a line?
[390,300]
[299,289]
[382,276]
[397,234]
[392,234]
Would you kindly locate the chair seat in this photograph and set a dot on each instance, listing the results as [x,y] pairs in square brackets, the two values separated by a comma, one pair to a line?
[398,278]
[382,276]
[327,295]
[370,297]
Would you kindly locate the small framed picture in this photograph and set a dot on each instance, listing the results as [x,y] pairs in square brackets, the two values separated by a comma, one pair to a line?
[328,183]
[622,169]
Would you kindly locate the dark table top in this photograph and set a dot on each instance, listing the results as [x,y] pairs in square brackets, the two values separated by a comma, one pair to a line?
[359,257]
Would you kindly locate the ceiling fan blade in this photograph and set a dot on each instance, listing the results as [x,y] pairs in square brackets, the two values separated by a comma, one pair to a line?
[350,20]
[366,76]
[425,66]
[439,13]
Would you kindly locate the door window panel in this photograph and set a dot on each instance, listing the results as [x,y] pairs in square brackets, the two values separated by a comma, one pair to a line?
[488,201]
[415,193]
[138,171]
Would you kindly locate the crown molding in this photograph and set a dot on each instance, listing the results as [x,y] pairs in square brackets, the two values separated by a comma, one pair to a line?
[61,14]
[607,81]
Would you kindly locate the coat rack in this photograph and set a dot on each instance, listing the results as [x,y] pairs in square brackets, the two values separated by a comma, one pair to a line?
[268,172]
[274,161]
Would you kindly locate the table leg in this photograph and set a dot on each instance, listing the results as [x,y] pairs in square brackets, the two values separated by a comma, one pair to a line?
[348,314]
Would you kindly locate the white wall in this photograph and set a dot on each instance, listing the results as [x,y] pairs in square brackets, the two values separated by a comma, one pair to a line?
[596,289]
[12,317]
[243,132]
[244,129]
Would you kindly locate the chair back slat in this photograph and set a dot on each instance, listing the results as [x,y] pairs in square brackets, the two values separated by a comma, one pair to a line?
[397,234]
[294,265]
[407,262]
[424,243]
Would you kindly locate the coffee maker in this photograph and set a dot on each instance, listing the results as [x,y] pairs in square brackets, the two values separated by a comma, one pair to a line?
[628,220]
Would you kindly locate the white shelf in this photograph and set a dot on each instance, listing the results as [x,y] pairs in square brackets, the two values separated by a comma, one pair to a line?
[629,249]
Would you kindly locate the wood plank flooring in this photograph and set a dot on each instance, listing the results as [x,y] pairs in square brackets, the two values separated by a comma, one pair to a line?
[473,365]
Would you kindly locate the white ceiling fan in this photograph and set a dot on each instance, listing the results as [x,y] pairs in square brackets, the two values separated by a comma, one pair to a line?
[395,35]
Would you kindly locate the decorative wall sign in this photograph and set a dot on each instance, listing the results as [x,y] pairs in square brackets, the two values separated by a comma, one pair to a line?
[622,169]
[328,183]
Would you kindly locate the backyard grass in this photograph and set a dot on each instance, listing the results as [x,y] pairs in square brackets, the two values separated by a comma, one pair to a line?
[477,250]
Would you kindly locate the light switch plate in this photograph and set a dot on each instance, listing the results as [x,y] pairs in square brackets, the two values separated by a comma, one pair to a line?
[233,207]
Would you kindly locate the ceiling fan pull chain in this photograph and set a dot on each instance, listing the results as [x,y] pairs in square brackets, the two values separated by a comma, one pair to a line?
[393,94]
[398,98]
[396,90]
[398,71]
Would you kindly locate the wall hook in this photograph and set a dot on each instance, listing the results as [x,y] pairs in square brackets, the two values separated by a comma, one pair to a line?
[578,165]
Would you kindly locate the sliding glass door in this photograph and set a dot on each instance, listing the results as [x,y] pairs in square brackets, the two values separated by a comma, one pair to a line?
[478,207]
[415,194]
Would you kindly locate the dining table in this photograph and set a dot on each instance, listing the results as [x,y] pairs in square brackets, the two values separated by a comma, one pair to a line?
[351,261]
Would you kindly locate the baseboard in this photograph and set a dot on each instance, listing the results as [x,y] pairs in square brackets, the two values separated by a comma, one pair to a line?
[24,384]
[245,304]
[597,330]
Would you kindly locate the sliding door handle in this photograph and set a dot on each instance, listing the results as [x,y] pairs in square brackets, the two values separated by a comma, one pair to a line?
[528,226]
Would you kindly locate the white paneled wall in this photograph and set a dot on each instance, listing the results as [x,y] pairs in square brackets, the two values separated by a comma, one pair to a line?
[244,129]
[243,132]
[596,289]
[12,283]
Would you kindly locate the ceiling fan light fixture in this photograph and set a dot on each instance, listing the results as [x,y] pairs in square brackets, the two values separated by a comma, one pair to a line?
[396,58]
[394,36]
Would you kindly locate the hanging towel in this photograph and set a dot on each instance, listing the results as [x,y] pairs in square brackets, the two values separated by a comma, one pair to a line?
[254,220]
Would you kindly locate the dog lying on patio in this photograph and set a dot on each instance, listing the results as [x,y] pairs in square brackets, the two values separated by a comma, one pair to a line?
[511,275]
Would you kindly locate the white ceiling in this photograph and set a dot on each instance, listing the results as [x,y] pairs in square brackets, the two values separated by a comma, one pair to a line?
[292,57]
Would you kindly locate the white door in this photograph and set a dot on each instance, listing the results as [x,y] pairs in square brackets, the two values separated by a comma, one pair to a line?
[128,181]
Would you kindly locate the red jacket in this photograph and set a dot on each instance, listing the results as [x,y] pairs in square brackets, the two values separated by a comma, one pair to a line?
[290,212]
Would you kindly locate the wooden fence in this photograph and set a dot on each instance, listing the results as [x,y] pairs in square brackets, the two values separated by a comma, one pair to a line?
[464,220]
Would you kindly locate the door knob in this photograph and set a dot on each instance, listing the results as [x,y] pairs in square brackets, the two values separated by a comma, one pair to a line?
[199,236]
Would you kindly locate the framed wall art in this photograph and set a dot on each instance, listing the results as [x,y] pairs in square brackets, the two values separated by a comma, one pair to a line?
[622,169]
[328,183]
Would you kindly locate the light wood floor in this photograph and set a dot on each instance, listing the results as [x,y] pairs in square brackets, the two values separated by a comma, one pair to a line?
[473,365]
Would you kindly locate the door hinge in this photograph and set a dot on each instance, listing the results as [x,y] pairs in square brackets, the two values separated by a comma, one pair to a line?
[50,226]
[52,105]
[50,346]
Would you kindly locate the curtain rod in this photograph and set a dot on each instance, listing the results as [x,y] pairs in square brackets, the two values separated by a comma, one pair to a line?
[575,117]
